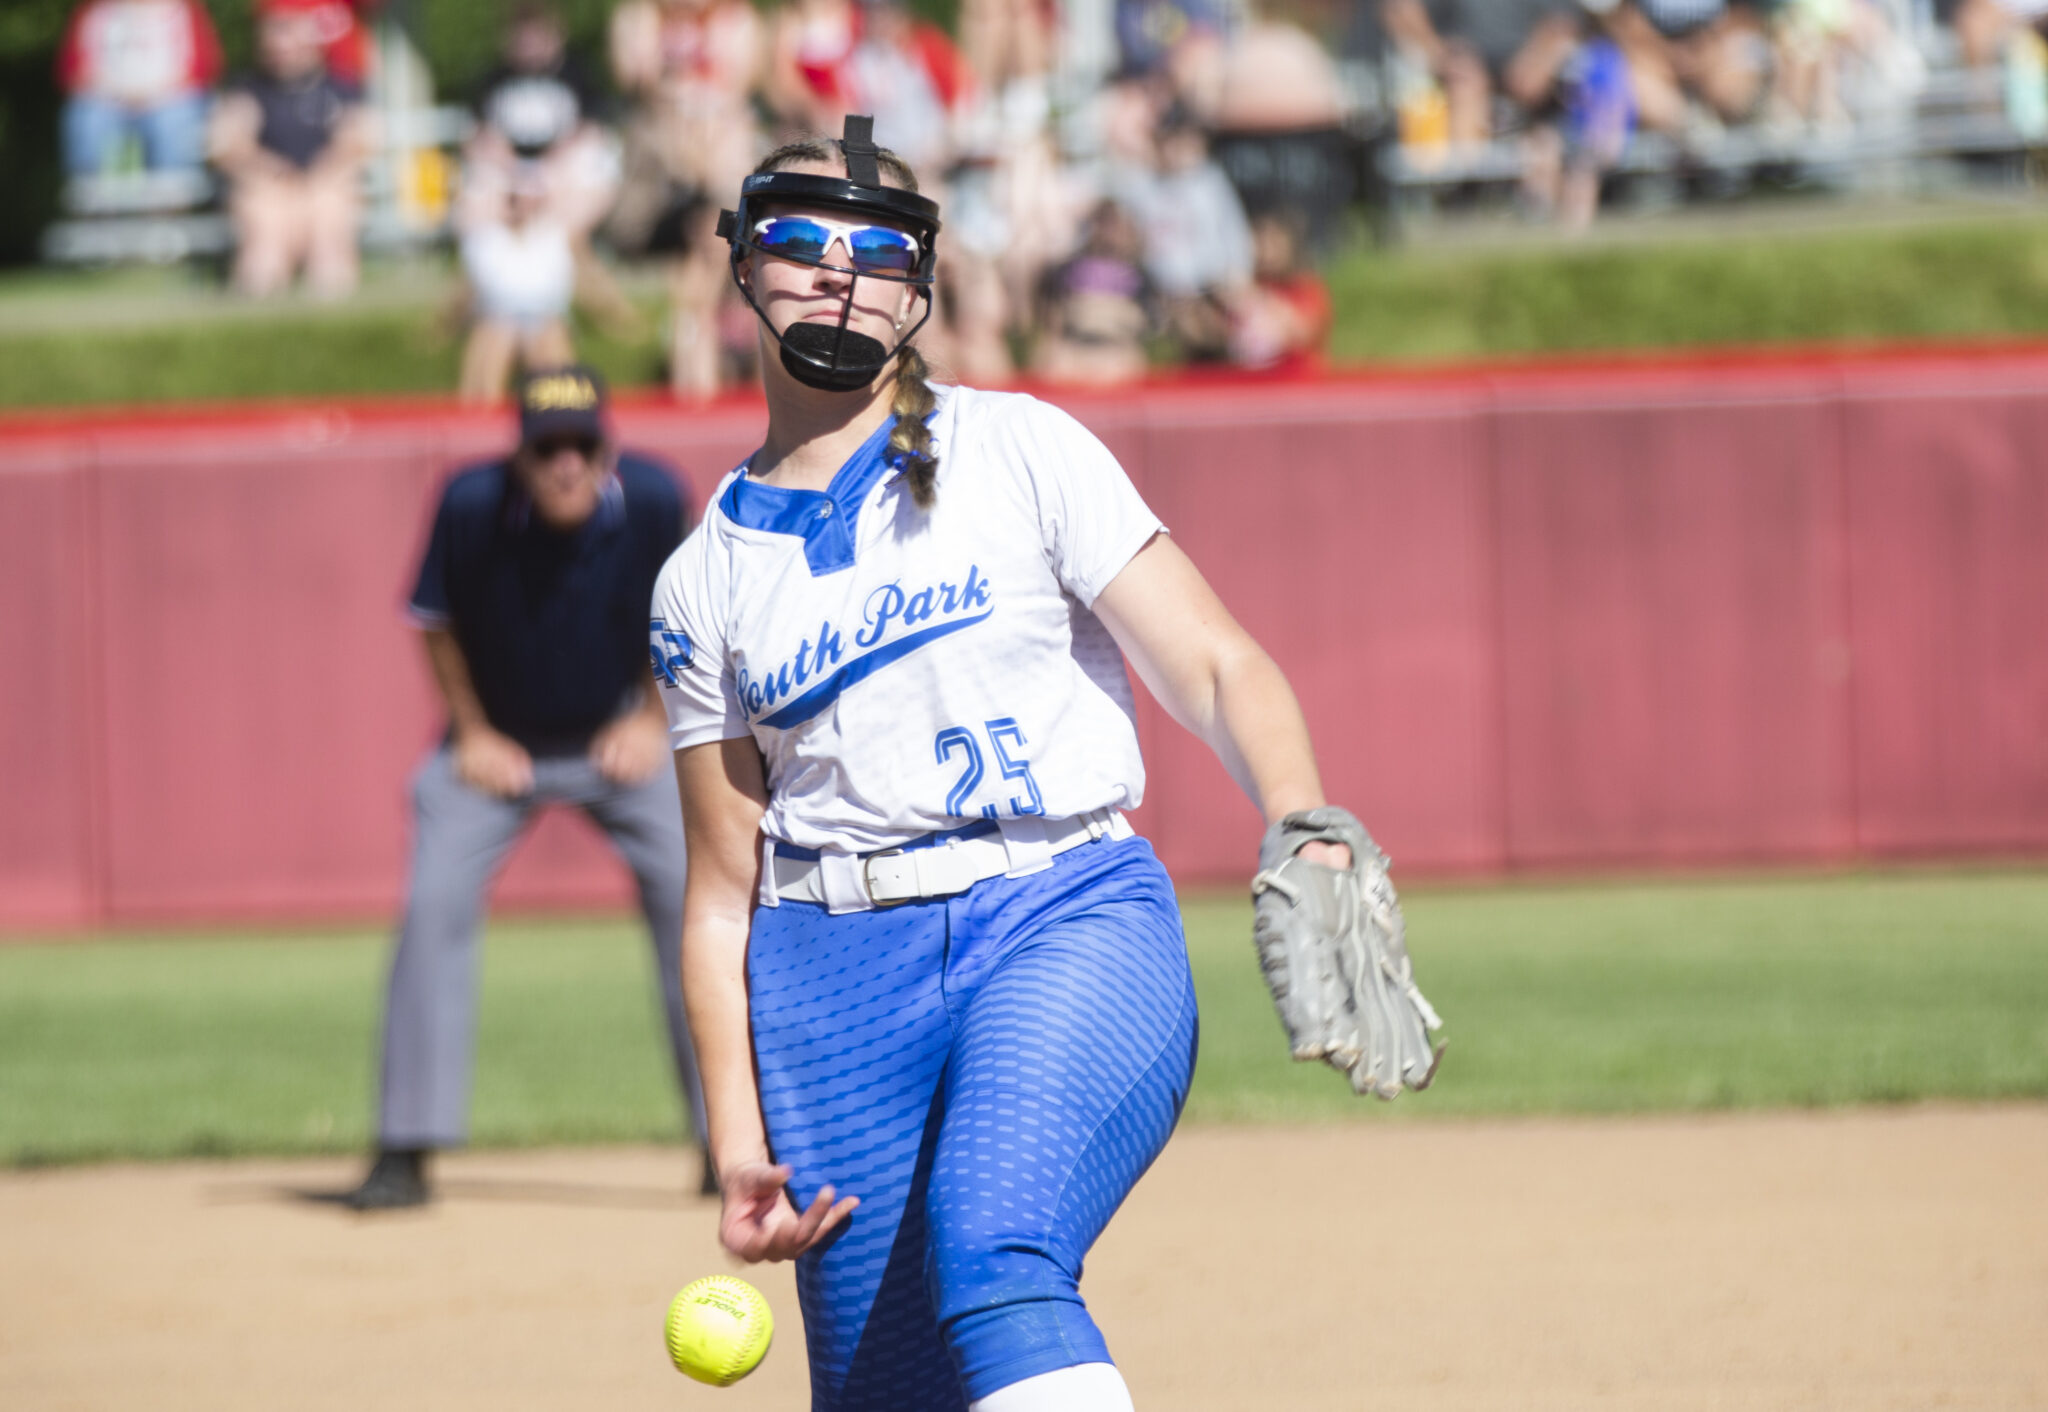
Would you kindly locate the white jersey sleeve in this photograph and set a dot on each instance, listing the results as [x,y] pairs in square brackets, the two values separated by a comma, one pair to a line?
[1090,515]
[687,646]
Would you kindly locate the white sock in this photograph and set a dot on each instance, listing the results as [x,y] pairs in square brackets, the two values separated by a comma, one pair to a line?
[1085,1387]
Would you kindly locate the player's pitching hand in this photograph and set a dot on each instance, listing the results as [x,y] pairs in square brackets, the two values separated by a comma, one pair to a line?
[761,1223]
[494,764]
[629,750]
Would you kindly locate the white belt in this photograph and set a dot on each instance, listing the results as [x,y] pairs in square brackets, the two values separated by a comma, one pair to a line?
[851,882]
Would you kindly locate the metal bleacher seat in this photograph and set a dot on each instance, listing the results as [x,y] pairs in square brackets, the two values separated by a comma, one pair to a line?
[166,217]
[1953,113]
[137,217]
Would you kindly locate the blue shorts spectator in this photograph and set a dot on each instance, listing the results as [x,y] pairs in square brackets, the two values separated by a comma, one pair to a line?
[136,74]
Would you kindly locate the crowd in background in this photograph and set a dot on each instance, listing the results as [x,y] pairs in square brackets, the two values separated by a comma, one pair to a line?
[1573,80]
[1122,180]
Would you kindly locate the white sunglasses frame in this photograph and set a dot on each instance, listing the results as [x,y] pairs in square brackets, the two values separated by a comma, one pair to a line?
[842,233]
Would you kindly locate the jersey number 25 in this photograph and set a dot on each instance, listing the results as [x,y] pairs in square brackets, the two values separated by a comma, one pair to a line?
[1002,731]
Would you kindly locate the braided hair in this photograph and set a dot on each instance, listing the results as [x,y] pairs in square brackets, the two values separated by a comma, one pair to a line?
[910,439]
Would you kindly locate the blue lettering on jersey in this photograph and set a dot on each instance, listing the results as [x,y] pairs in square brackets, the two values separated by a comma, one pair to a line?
[930,613]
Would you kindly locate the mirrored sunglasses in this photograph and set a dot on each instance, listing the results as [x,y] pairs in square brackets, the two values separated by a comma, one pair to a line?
[873,249]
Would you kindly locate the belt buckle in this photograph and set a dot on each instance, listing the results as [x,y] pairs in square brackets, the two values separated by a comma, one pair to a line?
[867,883]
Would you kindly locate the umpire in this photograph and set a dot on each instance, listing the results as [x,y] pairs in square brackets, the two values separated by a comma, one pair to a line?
[532,600]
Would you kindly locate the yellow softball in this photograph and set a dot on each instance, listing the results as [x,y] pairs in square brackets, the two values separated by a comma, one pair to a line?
[718,1329]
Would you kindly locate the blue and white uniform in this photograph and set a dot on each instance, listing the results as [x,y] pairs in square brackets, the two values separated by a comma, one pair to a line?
[991,1071]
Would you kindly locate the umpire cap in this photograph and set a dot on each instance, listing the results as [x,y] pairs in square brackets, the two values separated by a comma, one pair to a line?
[566,401]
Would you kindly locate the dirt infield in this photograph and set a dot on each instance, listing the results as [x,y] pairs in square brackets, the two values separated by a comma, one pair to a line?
[1863,1261]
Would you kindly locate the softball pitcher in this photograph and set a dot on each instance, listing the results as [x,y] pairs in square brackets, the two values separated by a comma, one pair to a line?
[939,990]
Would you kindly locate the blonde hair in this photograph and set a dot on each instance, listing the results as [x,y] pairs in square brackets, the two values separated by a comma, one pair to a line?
[914,399]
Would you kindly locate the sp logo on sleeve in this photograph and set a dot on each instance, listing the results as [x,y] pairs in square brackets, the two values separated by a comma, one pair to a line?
[669,651]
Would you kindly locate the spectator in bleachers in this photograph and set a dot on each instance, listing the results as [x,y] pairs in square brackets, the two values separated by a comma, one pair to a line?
[537,122]
[691,69]
[1198,246]
[521,270]
[1690,62]
[1097,308]
[344,36]
[291,140]
[834,57]
[2011,33]
[1279,132]
[1010,46]
[1565,160]
[1179,41]
[1283,321]
[808,55]
[136,71]
[1481,50]
[1984,28]
[912,77]
[1276,76]
[1816,44]
[1010,211]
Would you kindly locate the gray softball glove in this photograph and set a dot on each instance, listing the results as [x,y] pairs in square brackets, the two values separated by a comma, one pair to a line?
[1335,954]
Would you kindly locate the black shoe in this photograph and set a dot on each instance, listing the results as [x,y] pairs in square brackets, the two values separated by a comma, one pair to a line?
[397,1179]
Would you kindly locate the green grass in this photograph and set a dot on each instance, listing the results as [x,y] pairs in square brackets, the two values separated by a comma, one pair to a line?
[1984,280]
[1559,999]
[150,336]
[1788,992]
[73,339]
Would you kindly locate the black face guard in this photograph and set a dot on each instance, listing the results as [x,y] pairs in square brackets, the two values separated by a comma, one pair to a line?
[836,358]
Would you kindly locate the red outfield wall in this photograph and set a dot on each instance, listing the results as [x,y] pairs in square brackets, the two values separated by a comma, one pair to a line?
[1785,609]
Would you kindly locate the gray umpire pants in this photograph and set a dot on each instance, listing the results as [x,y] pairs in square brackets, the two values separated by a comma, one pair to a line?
[461,837]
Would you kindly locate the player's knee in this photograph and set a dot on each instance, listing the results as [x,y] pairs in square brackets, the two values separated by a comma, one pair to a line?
[965,1277]
[445,906]
[1017,1316]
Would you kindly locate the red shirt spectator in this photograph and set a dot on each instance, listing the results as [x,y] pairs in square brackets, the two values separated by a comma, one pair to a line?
[136,73]
[875,57]
[344,38]
[138,52]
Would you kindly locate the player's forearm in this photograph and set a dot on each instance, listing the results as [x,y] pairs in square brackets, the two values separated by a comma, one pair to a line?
[1256,728]
[451,676]
[715,998]
[723,801]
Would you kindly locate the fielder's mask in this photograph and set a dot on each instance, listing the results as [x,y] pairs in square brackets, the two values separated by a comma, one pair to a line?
[830,357]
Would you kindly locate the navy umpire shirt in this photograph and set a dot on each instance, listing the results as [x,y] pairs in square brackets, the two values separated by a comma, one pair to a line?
[553,624]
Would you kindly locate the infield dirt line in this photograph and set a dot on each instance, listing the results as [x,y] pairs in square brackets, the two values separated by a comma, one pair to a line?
[1867,1260]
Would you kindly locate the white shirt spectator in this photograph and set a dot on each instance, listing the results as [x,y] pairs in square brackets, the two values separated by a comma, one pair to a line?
[1196,235]
[524,274]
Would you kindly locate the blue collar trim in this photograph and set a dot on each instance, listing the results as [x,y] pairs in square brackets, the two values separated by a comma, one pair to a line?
[826,520]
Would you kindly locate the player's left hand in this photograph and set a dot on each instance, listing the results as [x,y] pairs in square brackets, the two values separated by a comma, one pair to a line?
[1334,949]
[1330,855]
[760,1222]
[629,750]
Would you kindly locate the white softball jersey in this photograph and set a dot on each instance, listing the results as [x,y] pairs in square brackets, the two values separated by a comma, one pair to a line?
[906,671]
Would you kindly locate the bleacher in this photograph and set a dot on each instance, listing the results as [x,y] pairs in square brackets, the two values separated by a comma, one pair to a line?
[1949,119]
[142,217]
[1944,120]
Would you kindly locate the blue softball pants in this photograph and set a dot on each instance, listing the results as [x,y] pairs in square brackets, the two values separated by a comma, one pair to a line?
[990,1074]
